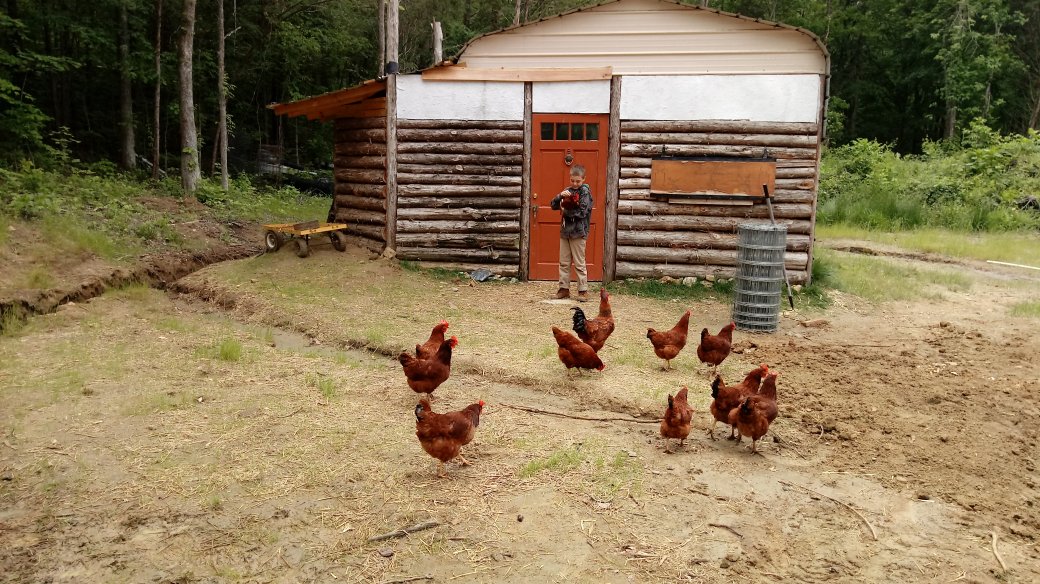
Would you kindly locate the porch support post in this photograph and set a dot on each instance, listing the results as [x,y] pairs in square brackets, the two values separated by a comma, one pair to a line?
[525,187]
[610,208]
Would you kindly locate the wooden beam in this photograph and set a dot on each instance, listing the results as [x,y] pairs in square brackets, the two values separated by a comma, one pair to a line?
[391,144]
[517,74]
[329,100]
[525,185]
[610,208]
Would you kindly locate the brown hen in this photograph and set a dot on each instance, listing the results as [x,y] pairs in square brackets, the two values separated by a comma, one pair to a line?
[676,421]
[713,349]
[726,397]
[443,435]
[595,331]
[429,348]
[667,344]
[574,353]
[426,375]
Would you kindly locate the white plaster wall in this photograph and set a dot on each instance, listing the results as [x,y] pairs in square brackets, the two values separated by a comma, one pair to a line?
[571,97]
[757,98]
[458,100]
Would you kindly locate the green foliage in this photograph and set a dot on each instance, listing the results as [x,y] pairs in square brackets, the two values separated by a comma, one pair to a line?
[976,185]
[881,279]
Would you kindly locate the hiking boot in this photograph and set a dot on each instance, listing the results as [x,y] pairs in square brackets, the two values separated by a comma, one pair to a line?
[563,293]
[583,296]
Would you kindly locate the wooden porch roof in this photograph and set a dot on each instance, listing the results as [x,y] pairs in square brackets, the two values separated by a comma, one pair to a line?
[359,101]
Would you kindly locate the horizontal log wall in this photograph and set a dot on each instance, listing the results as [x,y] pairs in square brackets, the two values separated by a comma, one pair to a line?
[458,190]
[360,178]
[657,238]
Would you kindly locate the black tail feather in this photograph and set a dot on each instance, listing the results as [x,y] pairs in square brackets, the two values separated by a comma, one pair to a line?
[418,412]
[715,387]
[579,320]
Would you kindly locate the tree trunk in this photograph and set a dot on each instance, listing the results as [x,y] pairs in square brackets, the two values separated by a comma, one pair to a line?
[158,89]
[516,13]
[127,154]
[438,42]
[221,98]
[190,172]
[381,28]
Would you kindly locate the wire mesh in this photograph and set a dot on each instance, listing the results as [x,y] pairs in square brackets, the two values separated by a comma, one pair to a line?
[760,276]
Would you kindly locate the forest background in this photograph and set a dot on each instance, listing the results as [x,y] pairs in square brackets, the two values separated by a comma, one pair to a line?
[954,84]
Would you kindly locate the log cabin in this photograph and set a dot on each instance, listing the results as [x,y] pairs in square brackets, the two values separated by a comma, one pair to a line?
[681,115]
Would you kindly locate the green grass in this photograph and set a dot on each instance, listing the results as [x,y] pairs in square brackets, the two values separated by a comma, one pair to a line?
[157,403]
[1029,309]
[651,288]
[13,321]
[228,349]
[324,384]
[881,280]
[560,461]
[1018,247]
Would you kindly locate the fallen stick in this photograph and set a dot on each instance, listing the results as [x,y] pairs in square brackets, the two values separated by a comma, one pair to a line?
[1011,264]
[410,579]
[574,417]
[842,503]
[405,531]
[996,552]
[728,528]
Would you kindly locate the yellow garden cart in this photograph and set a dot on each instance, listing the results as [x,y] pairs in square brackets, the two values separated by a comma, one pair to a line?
[278,234]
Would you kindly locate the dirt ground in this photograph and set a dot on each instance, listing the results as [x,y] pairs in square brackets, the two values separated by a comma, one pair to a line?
[132,452]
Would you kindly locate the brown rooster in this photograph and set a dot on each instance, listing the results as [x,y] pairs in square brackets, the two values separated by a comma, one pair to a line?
[667,344]
[425,375]
[676,421]
[429,348]
[756,412]
[714,349]
[574,353]
[443,435]
[726,397]
[595,331]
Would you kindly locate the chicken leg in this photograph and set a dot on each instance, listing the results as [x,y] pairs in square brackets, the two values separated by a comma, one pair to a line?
[711,431]
[463,460]
[442,470]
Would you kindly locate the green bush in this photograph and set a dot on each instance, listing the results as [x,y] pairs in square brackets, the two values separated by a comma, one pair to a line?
[972,185]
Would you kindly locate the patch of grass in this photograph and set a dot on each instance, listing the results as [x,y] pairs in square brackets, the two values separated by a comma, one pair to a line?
[135,292]
[649,288]
[1016,247]
[73,235]
[13,321]
[1029,309]
[172,324]
[228,349]
[40,278]
[157,403]
[616,473]
[442,274]
[560,461]
[5,231]
[880,280]
[324,384]
[377,335]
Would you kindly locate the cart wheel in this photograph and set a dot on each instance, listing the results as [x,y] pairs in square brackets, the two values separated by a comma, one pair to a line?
[273,241]
[339,241]
[302,249]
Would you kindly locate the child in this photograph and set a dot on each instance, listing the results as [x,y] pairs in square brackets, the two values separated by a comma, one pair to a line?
[575,202]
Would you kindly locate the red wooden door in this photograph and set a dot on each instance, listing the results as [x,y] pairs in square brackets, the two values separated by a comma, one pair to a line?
[581,139]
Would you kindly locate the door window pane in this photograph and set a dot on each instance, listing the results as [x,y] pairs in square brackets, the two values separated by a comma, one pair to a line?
[561,131]
[592,132]
[577,132]
[547,131]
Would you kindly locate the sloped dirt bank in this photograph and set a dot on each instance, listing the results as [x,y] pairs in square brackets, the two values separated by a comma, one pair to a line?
[157,271]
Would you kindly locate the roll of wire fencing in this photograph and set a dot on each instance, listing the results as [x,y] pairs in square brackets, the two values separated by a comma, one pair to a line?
[760,276]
